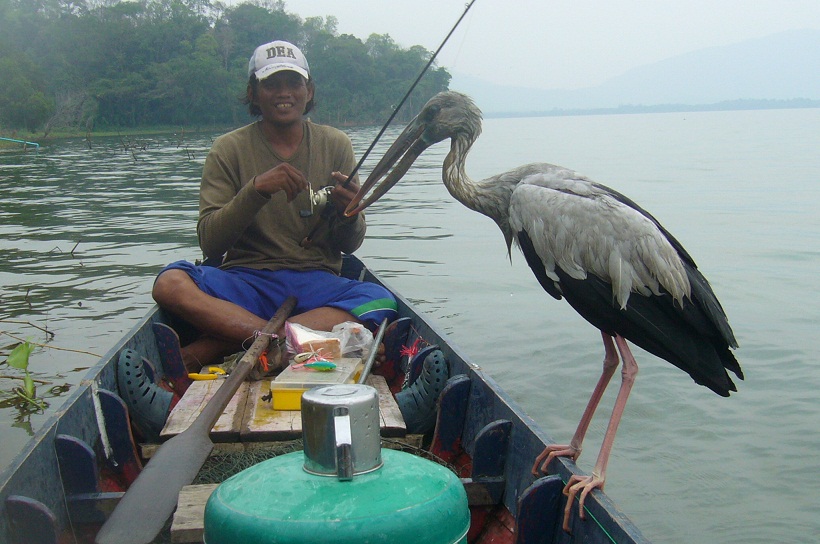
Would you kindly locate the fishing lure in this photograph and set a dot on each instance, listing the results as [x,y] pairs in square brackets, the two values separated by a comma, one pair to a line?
[313,360]
[321,366]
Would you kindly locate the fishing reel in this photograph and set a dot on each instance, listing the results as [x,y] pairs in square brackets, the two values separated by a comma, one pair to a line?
[320,200]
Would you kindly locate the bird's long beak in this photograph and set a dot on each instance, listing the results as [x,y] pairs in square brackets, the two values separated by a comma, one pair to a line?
[405,150]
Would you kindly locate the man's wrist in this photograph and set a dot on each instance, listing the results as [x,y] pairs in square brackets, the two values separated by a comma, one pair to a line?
[255,188]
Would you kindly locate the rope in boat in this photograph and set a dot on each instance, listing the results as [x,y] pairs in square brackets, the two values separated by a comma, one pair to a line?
[598,523]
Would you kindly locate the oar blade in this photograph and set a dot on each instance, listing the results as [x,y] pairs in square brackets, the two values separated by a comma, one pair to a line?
[152,498]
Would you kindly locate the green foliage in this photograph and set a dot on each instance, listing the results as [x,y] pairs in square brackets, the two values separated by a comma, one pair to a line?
[23,99]
[124,64]
[18,358]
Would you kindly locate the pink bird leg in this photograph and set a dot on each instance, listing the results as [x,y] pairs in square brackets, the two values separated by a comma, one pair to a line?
[585,484]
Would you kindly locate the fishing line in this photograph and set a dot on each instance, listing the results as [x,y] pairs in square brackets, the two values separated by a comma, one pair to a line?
[460,48]
[309,238]
[407,95]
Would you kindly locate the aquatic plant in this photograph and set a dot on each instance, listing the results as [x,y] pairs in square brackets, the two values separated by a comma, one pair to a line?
[19,358]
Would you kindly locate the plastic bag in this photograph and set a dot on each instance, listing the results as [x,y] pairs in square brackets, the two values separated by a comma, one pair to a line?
[356,339]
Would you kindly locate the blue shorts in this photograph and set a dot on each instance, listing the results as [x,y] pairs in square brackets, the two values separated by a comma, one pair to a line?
[261,292]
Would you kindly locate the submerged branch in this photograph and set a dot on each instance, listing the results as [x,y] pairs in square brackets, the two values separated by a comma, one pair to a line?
[30,324]
[51,347]
[7,377]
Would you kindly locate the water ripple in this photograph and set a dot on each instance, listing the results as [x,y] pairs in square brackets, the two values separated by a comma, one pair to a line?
[688,466]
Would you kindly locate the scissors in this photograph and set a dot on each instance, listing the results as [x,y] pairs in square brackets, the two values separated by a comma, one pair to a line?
[211,373]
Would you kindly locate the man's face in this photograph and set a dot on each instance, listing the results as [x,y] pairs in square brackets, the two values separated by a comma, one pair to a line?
[282,97]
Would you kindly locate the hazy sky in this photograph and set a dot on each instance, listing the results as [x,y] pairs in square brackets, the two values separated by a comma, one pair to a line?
[562,44]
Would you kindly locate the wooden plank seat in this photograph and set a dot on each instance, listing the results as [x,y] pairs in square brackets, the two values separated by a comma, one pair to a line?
[249,418]
[188,524]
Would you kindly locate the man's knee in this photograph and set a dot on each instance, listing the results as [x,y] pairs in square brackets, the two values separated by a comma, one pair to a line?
[169,286]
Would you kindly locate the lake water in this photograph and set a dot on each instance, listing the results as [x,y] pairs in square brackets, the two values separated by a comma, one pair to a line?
[84,229]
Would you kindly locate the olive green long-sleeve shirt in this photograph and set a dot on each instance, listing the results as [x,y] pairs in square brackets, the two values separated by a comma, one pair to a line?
[256,231]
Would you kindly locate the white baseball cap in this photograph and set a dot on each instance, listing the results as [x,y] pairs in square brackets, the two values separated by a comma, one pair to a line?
[277,56]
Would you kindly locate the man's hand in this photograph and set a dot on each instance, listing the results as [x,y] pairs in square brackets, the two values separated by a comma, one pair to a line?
[341,196]
[282,177]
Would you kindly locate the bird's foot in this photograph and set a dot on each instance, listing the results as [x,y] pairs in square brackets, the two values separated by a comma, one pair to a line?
[551,452]
[584,485]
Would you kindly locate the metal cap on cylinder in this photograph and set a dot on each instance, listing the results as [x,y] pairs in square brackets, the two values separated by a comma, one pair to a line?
[340,427]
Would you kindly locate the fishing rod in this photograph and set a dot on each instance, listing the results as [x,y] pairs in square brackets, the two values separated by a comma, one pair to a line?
[309,238]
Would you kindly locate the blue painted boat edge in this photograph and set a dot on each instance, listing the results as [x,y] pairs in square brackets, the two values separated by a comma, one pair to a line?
[34,472]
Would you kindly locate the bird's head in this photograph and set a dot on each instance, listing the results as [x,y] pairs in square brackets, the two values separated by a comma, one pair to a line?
[447,115]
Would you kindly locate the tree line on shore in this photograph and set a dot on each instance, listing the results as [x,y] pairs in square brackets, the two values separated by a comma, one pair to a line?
[97,64]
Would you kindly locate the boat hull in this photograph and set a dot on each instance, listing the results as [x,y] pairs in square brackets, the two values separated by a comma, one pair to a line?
[485,433]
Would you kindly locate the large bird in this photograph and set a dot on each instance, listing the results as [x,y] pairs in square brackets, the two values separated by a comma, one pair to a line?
[610,259]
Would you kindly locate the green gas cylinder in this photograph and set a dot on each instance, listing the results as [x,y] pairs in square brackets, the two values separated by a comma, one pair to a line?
[343,489]
[407,500]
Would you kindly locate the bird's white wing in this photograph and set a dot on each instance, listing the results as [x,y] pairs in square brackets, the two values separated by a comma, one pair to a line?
[583,229]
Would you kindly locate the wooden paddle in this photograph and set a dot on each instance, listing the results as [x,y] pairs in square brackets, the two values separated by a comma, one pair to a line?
[145,508]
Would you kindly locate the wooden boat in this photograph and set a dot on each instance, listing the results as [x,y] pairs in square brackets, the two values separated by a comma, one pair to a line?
[65,484]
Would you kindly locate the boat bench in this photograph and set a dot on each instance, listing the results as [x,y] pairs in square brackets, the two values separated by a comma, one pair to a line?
[249,418]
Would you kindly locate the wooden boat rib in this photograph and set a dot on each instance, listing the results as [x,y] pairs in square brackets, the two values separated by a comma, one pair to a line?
[66,482]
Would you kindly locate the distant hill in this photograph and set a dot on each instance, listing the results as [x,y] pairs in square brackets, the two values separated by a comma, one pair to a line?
[781,70]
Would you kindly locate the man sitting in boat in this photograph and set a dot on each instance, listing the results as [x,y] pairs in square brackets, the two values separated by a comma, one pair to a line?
[257,207]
